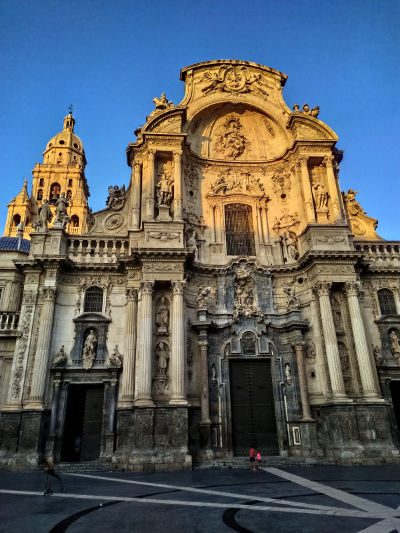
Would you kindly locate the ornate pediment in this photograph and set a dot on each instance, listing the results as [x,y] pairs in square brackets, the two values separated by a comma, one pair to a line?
[234,79]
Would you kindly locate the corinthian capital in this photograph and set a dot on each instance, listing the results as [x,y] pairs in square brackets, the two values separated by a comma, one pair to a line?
[298,347]
[131,295]
[352,288]
[48,294]
[328,160]
[146,287]
[177,155]
[323,288]
[177,287]
[302,160]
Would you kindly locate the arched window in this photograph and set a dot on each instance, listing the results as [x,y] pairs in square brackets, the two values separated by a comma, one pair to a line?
[55,193]
[93,300]
[239,230]
[249,344]
[41,182]
[39,194]
[386,302]
[16,219]
[70,182]
[75,221]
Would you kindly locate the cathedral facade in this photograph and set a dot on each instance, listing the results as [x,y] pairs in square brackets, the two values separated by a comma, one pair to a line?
[229,296]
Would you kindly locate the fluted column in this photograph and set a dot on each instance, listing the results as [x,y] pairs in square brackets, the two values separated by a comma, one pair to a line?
[151,186]
[205,401]
[128,369]
[368,382]
[136,194]
[332,187]
[177,360]
[264,216]
[43,349]
[305,403]
[331,346]
[307,192]
[178,189]
[143,374]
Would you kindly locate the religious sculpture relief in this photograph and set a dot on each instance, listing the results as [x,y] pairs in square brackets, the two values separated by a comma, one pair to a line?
[289,247]
[162,316]
[377,355]
[61,219]
[346,368]
[281,181]
[115,358]
[321,196]
[61,358]
[287,222]
[310,351]
[233,181]
[352,206]
[25,328]
[162,357]
[193,244]
[116,197]
[89,350]
[293,302]
[394,342]
[231,143]
[164,190]
[44,217]
[288,374]
[314,112]
[202,298]
[244,288]
[234,80]
[162,102]
[163,236]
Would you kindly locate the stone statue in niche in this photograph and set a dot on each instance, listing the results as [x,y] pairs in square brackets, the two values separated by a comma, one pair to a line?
[162,354]
[164,190]
[162,316]
[115,358]
[232,143]
[394,344]
[320,195]
[116,197]
[202,298]
[244,302]
[61,211]
[192,244]
[61,358]
[293,302]
[44,216]
[213,374]
[89,350]
[288,374]
[289,246]
[377,354]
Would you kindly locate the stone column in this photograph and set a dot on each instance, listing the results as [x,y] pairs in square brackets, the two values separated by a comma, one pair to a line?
[305,403]
[151,185]
[332,188]
[307,192]
[177,360]
[43,348]
[128,369]
[136,194]
[218,224]
[205,401]
[331,346]
[178,188]
[144,360]
[264,215]
[360,341]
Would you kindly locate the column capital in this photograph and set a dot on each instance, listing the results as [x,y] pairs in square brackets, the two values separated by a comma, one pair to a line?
[177,154]
[302,160]
[352,288]
[298,347]
[29,298]
[177,287]
[132,295]
[48,294]
[146,287]
[323,288]
[202,343]
[328,160]
[136,165]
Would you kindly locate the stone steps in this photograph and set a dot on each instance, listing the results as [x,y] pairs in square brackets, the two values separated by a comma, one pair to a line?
[243,462]
[85,466]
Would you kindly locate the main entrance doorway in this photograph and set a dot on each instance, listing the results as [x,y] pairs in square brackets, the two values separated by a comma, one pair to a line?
[252,405]
[395,390]
[83,423]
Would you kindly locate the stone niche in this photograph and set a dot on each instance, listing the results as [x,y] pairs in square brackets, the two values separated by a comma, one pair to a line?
[83,324]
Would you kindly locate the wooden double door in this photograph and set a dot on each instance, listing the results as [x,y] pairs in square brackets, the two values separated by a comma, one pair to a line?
[252,406]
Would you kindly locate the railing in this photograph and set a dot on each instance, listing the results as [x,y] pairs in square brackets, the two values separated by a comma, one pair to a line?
[72,230]
[8,321]
[86,250]
[380,252]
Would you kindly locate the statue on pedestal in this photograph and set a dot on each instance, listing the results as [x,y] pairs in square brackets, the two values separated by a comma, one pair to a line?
[61,211]
[89,350]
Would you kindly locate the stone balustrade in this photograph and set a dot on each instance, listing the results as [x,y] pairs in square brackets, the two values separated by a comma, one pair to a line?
[89,250]
[8,321]
[380,252]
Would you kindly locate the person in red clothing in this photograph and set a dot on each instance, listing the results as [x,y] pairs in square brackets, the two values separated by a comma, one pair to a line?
[258,459]
[252,457]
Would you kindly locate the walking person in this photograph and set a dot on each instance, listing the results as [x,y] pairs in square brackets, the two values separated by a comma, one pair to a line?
[252,457]
[50,474]
[258,459]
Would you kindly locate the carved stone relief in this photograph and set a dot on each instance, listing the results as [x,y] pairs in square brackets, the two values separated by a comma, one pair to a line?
[245,294]
[231,143]
[233,181]
[234,80]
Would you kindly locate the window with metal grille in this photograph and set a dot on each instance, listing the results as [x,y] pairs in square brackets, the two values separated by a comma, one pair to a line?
[386,302]
[239,230]
[93,300]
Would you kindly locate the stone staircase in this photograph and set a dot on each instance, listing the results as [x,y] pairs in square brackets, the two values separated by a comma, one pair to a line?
[84,467]
[276,460]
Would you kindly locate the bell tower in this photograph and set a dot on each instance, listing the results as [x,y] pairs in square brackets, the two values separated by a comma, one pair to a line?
[62,171]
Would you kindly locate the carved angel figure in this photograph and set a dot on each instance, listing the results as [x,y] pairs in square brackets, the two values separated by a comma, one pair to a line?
[61,357]
[115,358]
[321,196]
[292,301]
[202,297]
[89,350]
[353,207]
[116,197]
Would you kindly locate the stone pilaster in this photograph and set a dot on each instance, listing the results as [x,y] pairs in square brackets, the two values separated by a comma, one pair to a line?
[331,346]
[332,188]
[178,189]
[143,374]
[136,174]
[307,192]
[128,369]
[360,341]
[177,361]
[205,400]
[43,350]
[151,185]
[305,403]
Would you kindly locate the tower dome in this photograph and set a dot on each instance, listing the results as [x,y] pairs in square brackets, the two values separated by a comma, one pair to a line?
[66,147]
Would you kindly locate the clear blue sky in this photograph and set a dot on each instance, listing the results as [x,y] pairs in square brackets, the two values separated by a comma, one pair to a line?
[110,58]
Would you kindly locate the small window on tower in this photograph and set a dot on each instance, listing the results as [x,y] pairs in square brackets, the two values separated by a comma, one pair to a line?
[41,182]
[39,194]
[75,221]
[55,193]
[69,194]
[70,183]
[16,220]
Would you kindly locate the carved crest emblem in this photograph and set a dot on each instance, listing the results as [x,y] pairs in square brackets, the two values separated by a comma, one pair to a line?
[234,80]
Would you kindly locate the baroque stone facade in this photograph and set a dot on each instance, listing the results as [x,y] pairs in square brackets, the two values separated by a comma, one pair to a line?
[228,295]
